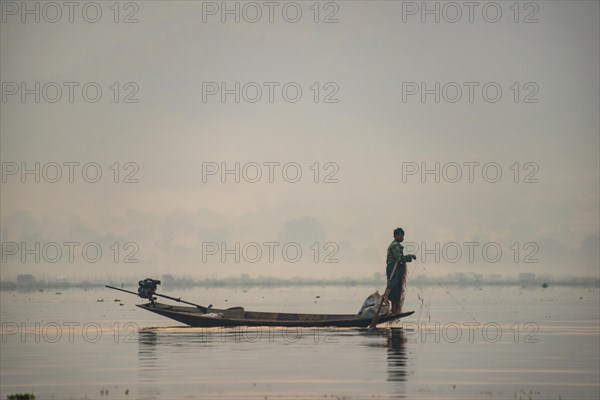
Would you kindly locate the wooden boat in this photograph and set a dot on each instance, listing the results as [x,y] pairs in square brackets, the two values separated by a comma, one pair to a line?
[237,316]
[200,316]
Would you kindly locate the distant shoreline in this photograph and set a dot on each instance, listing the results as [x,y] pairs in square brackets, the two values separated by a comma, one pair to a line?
[591,282]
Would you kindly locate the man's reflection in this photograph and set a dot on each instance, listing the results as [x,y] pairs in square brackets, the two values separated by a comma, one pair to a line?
[396,355]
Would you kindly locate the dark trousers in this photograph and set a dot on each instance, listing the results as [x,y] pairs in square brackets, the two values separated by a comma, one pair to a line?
[397,282]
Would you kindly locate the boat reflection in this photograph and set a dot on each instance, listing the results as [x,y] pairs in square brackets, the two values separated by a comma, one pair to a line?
[148,365]
[147,346]
[389,344]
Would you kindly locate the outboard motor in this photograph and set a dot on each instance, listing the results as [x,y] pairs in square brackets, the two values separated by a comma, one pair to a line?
[147,289]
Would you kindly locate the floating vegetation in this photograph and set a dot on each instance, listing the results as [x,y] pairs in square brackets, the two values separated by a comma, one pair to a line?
[21,396]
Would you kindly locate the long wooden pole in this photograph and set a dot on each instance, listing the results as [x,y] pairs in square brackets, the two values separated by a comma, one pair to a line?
[376,316]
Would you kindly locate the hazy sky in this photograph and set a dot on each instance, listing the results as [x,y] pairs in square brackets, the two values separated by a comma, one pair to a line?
[368,129]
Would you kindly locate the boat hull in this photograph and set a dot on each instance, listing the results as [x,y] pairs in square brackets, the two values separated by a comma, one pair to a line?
[238,317]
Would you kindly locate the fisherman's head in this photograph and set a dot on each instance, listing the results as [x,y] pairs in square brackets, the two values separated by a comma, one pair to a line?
[399,234]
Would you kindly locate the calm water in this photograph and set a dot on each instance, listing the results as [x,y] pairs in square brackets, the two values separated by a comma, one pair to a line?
[497,343]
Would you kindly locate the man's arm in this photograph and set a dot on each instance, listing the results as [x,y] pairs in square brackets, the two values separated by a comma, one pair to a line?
[398,254]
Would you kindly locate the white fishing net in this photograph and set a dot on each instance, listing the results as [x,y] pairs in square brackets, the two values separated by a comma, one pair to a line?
[370,305]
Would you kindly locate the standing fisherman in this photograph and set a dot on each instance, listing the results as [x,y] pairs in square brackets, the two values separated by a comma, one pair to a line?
[397,283]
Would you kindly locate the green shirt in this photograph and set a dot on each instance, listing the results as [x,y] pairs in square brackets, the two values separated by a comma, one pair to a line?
[395,252]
